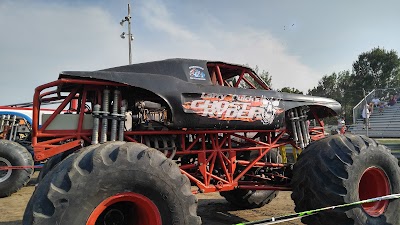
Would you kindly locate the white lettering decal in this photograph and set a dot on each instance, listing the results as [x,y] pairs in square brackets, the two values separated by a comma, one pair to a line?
[235,107]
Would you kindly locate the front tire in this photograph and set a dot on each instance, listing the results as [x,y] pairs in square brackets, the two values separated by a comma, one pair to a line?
[342,169]
[50,164]
[114,183]
[14,154]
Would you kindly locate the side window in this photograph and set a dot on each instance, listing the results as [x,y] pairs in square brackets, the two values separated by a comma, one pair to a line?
[246,82]
[234,76]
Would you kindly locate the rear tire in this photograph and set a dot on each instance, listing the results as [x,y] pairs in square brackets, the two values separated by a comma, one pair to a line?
[14,154]
[342,169]
[249,199]
[114,183]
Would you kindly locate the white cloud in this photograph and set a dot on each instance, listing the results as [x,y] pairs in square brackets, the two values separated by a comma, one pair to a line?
[158,17]
[40,40]
[212,40]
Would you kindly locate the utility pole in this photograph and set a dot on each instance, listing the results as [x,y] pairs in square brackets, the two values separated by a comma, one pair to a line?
[129,34]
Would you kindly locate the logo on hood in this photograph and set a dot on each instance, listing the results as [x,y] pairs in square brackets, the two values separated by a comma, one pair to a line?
[235,107]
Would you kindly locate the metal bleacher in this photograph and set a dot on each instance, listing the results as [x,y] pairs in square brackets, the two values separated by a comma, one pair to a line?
[382,125]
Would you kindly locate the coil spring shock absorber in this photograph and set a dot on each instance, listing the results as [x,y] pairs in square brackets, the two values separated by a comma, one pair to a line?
[298,118]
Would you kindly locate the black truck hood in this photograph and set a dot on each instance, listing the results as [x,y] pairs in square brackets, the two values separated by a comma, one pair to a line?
[171,80]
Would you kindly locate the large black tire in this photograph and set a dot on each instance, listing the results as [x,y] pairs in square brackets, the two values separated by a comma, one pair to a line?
[50,164]
[79,185]
[14,154]
[251,199]
[342,169]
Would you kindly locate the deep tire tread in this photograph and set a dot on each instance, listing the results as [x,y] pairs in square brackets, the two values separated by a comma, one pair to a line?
[18,178]
[102,158]
[325,175]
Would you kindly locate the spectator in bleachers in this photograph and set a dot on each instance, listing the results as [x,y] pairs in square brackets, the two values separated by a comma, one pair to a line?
[381,107]
[392,100]
[371,108]
[376,101]
[341,127]
[365,115]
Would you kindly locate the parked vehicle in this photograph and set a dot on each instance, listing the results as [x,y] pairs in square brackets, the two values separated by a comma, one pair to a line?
[16,152]
[143,134]
[15,149]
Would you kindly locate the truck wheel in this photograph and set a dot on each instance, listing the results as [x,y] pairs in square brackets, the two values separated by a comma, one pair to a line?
[250,199]
[14,154]
[342,169]
[114,183]
[50,164]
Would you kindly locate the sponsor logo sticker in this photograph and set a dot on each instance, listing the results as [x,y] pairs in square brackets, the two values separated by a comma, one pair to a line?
[197,73]
[235,107]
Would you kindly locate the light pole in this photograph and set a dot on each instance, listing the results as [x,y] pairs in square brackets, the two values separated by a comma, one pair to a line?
[129,34]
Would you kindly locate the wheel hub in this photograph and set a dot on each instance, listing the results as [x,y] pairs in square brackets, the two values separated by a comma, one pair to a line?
[114,217]
[125,209]
[374,183]
[4,174]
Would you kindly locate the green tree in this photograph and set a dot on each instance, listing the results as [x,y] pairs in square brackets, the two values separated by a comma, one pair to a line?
[377,68]
[346,93]
[264,75]
[337,86]
[291,90]
[327,87]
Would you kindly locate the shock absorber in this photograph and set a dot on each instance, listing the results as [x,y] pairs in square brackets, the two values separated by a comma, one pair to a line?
[298,128]
[122,124]
[104,121]
[3,118]
[96,121]
[115,116]
[293,122]
[304,127]
[14,118]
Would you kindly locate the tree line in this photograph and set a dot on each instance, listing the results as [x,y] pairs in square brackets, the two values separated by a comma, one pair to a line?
[374,69]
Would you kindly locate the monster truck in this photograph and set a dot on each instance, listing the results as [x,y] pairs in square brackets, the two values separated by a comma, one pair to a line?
[144,135]
[16,162]
[16,153]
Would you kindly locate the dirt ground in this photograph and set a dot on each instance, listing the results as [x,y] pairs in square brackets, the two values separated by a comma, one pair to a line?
[213,209]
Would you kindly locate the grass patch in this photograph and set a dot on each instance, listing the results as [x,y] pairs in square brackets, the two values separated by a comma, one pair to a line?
[388,141]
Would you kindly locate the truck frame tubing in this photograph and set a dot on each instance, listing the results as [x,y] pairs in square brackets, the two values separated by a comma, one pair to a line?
[209,158]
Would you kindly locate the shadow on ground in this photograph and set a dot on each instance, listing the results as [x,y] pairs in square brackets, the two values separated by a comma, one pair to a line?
[217,212]
[32,181]
[19,222]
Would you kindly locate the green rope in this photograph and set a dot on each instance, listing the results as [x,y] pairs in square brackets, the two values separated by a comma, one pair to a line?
[275,220]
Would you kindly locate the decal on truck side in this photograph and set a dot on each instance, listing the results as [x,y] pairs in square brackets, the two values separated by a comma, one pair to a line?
[197,73]
[234,107]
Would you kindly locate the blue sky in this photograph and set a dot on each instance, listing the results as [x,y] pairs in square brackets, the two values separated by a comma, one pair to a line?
[296,41]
